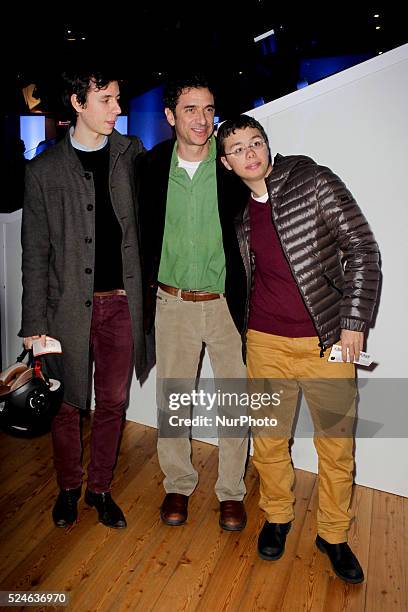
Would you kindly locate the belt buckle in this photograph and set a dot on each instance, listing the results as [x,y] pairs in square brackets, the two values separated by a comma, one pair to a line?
[194,292]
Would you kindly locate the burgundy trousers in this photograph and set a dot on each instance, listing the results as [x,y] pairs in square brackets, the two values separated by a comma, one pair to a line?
[111,346]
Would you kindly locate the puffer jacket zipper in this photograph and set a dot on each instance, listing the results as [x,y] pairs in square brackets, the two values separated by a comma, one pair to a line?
[243,243]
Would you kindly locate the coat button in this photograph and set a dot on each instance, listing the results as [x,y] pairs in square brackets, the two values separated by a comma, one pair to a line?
[88,303]
[90,207]
[87,176]
[88,270]
[88,240]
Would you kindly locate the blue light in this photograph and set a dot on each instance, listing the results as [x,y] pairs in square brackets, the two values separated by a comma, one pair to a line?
[314,69]
[302,83]
[147,119]
[32,131]
[122,124]
[268,45]
[258,102]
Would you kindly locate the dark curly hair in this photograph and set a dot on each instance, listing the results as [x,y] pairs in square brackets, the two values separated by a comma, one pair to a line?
[238,123]
[78,83]
[175,86]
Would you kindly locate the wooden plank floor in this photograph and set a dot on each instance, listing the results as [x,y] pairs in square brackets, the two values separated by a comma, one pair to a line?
[198,566]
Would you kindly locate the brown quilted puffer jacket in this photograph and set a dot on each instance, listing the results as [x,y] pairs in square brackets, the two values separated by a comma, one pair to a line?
[327,242]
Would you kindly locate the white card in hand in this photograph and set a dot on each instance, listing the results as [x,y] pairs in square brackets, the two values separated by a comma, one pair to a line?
[51,346]
[335,355]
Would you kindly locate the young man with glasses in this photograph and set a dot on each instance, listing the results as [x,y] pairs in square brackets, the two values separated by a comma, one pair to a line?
[315,279]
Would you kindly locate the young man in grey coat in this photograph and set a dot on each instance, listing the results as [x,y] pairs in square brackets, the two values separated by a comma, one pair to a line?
[82,285]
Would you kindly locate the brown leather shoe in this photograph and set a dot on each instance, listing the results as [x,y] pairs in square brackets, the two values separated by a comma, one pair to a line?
[174,509]
[232,515]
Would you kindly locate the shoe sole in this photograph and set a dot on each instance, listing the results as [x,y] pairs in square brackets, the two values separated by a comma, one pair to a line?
[350,580]
[112,526]
[269,558]
[172,523]
[226,527]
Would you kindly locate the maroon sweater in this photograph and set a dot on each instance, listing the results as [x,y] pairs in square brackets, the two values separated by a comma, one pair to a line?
[277,306]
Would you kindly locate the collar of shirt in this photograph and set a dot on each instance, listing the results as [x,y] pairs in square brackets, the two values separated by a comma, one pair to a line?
[80,147]
[263,198]
[212,154]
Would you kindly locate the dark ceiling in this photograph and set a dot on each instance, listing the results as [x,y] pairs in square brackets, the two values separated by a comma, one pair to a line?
[146,43]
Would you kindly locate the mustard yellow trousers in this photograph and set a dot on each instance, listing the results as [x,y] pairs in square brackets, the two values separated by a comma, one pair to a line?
[286,366]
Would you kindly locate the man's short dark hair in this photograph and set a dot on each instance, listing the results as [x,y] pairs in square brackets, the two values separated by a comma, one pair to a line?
[175,86]
[78,83]
[239,123]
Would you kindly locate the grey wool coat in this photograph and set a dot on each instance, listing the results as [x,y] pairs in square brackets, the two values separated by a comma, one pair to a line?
[58,238]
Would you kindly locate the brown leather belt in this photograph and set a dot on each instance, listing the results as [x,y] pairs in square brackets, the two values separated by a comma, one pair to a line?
[190,296]
[112,292]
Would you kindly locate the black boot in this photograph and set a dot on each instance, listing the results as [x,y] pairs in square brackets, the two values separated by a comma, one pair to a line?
[65,511]
[271,541]
[345,563]
[109,513]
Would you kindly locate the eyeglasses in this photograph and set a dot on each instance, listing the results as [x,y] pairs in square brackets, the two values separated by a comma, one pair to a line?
[256,145]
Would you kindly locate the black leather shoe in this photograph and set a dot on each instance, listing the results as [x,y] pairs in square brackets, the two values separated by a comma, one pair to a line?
[65,511]
[345,563]
[109,513]
[271,541]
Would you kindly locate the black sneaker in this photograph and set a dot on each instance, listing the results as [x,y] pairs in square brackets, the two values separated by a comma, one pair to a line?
[65,511]
[271,541]
[109,513]
[345,563]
